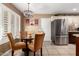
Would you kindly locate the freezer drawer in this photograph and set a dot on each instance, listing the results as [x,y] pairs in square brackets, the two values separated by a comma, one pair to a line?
[61,40]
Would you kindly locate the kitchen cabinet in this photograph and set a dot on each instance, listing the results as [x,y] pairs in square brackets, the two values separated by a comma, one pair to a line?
[77,43]
[71,37]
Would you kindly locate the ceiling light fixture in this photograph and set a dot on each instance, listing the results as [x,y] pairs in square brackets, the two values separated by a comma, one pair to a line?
[28,13]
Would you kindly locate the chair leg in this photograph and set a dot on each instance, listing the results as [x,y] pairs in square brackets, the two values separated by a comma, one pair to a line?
[12,52]
[34,53]
[41,51]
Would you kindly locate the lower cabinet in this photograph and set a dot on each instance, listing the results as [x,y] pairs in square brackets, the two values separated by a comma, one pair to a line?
[71,37]
[77,46]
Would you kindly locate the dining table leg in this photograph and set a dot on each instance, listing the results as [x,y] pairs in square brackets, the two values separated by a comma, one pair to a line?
[27,50]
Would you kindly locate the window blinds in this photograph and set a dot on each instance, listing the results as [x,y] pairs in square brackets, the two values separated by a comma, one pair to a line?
[9,22]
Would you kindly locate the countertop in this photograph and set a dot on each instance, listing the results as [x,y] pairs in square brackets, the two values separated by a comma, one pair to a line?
[76,35]
[73,31]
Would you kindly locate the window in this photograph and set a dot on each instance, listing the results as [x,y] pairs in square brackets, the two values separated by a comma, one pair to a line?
[9,22]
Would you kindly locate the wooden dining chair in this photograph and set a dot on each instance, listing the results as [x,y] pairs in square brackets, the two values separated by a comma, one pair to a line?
[37,43]
[23,34]
[15,46]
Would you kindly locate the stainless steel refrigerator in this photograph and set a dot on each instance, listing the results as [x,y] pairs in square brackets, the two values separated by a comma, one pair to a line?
[59,31]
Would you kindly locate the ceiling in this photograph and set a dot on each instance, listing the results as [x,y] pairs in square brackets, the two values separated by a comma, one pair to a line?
[49,8]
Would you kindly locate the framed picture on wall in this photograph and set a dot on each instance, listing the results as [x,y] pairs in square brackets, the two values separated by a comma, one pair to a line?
[27,21]
[32,22]
[36,22]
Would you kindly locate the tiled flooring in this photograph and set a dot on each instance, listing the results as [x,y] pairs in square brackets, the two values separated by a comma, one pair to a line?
[50,49]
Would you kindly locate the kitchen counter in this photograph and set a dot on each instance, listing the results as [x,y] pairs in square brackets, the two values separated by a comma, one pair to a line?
[77,43]
[76,35]
[72,35]
[73,31]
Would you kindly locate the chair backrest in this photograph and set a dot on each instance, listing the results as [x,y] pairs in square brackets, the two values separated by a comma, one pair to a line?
[39,37]
[23,34]
[11,39]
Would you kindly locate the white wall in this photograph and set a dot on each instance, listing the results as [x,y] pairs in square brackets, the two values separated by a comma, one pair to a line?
[46,27]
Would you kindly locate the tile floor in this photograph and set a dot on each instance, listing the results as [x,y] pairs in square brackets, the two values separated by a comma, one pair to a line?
[49,49]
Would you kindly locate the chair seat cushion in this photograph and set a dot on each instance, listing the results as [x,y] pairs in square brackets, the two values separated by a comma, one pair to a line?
[20,45]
